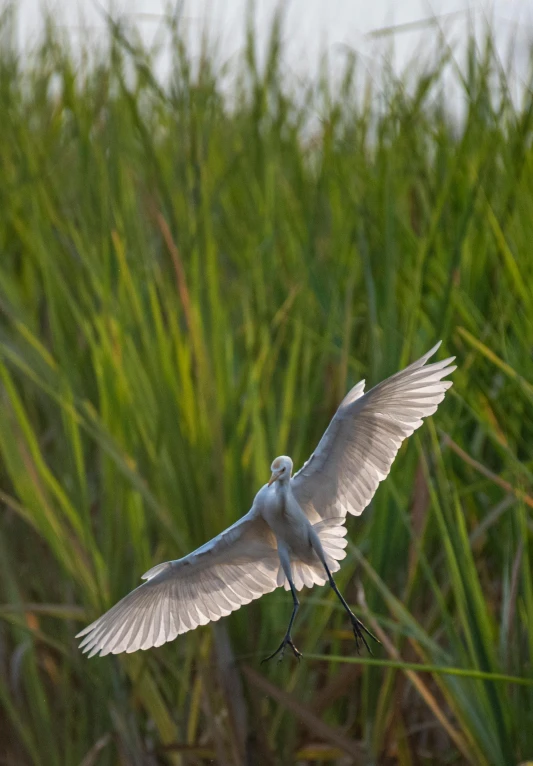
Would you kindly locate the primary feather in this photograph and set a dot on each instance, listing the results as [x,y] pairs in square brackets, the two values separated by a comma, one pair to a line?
[357,450]
[231,570]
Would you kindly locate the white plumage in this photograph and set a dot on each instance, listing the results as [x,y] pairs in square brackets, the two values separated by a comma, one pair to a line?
[364,436]
[294,534]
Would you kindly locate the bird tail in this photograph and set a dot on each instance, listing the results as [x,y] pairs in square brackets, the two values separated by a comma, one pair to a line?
[332,534]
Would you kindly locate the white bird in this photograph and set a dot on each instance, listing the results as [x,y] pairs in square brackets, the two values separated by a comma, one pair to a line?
[294,534]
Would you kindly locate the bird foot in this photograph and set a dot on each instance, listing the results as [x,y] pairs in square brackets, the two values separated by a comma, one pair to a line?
[287,641]
[359,631]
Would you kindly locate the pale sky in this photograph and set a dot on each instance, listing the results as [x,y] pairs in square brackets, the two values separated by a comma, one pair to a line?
[311,25]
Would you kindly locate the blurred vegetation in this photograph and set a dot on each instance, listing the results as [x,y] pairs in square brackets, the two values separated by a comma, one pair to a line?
[191,277]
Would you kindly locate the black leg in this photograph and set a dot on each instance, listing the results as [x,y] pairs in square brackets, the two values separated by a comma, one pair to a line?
[287,641]
[359,629]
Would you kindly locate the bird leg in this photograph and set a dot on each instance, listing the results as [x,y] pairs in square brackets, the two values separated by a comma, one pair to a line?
[287,641]
[359,629]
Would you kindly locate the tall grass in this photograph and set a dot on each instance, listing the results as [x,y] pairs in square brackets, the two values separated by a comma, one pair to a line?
[189,282]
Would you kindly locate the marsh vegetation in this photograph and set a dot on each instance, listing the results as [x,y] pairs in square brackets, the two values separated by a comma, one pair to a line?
[191,277]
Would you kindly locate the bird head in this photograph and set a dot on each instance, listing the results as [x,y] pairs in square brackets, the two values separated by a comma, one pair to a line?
[281,470]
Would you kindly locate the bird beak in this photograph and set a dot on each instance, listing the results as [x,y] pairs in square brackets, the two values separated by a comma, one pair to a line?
[273,478]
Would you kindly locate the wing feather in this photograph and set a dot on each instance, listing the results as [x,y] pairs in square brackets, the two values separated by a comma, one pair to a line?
[357,450]
[231,570]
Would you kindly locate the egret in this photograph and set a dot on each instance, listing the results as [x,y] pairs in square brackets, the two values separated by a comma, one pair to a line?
[294,534]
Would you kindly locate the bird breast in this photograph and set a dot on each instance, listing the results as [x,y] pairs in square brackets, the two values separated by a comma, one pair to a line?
[288,522]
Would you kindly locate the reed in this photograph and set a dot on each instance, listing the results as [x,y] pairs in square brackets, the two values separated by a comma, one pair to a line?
[189,282]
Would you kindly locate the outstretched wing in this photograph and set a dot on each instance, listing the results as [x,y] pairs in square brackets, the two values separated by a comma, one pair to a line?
[363,438]
[231,570]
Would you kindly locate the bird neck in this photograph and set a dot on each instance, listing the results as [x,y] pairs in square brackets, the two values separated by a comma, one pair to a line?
[283,487]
